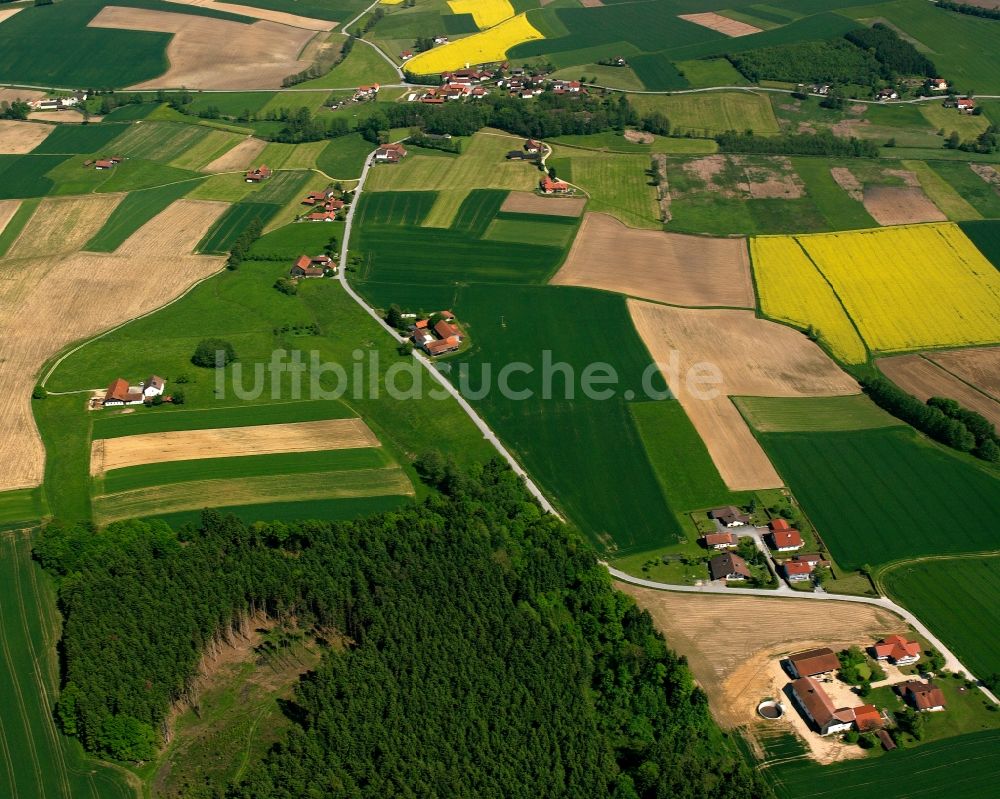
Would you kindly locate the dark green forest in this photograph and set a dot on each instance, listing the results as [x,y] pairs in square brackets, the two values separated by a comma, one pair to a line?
[488,655]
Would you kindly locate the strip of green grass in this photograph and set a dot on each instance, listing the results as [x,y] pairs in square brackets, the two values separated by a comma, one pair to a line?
[837,208]
[23,176]
[223,234]
[153,474]
[344,157]
[477,211]
[135,211]
[813,414]
[530,232]
[983,196]
[293,240]
[20,508]
[16,224]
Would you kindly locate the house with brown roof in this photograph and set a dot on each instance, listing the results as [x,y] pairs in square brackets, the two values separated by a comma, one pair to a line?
[728,566]
[104,163]
[447,330]
[390,153]
[729,516]
[121,393]
[814,559]
[819,709]
[813,662]
[532,146]
[719,540]
[924,696]
[263,172]
[897,649]
[443,337]
[867,717]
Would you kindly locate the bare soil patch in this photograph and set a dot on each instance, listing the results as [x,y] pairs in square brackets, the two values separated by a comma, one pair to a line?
[639,136]
[740,177]
[7,210]
[925,379]
[238,158]
[63,224]
[69,116]
[591,3]
[720,24]
[294,20]
[857,109]
[47,303]
[984,3]
[979,366]
[228,442]
[207,53]
[848,182]
[736,658]
[17,137]
[894,205]
[10,95]
[708,356]
[987,172]
[667,267]
[524,202]
[907,177]
[850,127]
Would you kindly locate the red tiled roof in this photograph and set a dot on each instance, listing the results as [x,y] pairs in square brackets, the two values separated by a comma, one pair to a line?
[446,329]
[924,695]
[118,390]
[779,524]
[791,567]
[786,538]
[896,647]
[421,324]
[303,261]
[867,717]
[814,661]
[713,539]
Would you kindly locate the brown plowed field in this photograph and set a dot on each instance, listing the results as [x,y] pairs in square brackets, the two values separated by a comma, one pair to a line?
[924,379]
[228,442]
[7,210]
[744,356]
[10,95]
[63,224]
[17,137]
[46,303]
[238,158]
[524,202]
[207,53]
[294,20]
[730,641]
[720,24]
[893,205]
[667,267]
[980,367]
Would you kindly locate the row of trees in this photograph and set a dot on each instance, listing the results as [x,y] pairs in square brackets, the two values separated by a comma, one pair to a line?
[986,142]
[944,420]
[241,247]
[972,10]
[822,143]
[15,110]
[897,56]
[487,654]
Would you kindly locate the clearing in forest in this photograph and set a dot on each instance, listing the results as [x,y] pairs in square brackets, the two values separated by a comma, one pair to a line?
[666,267]
[227,442]
[210,53]
[17,137]
[923,379]
[708,356]
[103,290]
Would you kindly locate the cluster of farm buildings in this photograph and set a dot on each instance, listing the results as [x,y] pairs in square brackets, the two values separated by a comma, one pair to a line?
[104,163]
[120,393]
[814,668]
[324,205]
[471,84]
[437,334]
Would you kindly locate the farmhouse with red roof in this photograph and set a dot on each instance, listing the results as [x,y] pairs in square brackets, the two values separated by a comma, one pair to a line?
[813,662]
[550,186]
[796,572]
[784,537]
[819,709]
[897,650]
[121,393]
[316,266]
[390,153]
[263,172]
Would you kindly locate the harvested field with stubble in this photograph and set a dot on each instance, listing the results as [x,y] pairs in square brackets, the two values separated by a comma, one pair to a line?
[17,137]
[63,224]
[10,95]
[979,366]
[228,442]
[209,53]
[237,159]
[666,267]
[924,379]
[7,210]
[727,646]
[294,20]
[900,205]
[523,202]
[745,356]
[720,24]
[101,291]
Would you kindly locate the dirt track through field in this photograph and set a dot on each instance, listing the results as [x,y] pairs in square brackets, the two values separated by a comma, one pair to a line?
[81,295]
[207,53]
[238,158]
[924,379]
[979,366]
[894,205]
[524,202]
[228,442]
[721,24]
[7,210]
[667,267]
[294,20]
[730,641]
[62,225]
[17,137]
[742,356]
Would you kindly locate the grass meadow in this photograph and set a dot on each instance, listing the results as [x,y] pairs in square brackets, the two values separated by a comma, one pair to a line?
[344,158]
[885,494]
[35,759]
[973,189]
[20,508]
[986,236]
[715,112]
[813,414]
[363,65]
[617,184]
[223,234]
[957,598]
[17,223]
[26,176]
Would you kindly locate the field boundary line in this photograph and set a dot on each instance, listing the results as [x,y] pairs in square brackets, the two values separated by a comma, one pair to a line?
[958,377]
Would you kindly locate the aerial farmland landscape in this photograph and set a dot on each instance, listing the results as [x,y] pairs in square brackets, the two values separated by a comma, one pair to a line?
[499,398]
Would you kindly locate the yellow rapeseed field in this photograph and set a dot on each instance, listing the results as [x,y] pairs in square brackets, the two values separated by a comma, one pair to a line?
[791,290]
[911,287]
[487,13]
[481,48]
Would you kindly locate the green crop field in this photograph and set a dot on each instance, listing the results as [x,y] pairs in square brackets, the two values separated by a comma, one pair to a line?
[81,139]
[159,141]
[130,112]
[231,104]
[616,184]
[344,158]
[835,206]
[25,175]
[478,210]
[957,598]
[212,146]
[535,231]
[974,189]
[291,241]
[711,72]
[20,508]
[363,65]
[294,100]
[713,112]
[986,236]
[880,495]
[963,767]
[135,211]
[17,223]
[623,78]
[657,73]
[138,174]
[35,759]
[611,491]
[394,208]
[813,414]
[223,234]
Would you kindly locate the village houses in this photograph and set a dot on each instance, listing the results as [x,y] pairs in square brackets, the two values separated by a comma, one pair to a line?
[813,662]
[784,537]
[719,540]
[819,709]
